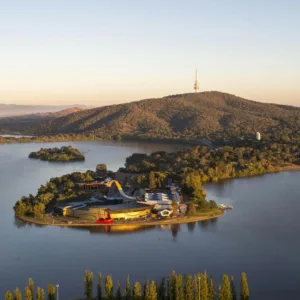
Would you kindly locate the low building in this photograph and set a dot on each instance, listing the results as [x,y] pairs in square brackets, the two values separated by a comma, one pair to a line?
[159,196]
[162,200]
[117,211]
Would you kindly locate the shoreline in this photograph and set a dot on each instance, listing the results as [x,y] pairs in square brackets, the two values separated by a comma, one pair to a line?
[54,139]
[180,220]
[289,167]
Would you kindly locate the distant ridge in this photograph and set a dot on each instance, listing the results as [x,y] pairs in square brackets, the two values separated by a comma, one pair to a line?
[7,110]
[55,114]
[16,124]
[206,115]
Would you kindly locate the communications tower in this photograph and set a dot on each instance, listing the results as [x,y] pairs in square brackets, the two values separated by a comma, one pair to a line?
[196,84]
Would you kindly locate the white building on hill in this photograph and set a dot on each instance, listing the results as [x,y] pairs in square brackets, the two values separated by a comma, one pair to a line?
[258,137]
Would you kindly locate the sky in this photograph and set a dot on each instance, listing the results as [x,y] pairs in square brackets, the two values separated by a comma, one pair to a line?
[105,52]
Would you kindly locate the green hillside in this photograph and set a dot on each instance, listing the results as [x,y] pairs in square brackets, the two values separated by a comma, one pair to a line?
[211,116]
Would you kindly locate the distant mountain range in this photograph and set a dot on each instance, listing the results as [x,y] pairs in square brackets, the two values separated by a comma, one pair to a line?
[208,116]
[20,123]
[51,115]
[7,110]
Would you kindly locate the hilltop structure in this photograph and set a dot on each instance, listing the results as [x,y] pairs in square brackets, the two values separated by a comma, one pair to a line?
[196,84]
[258,136]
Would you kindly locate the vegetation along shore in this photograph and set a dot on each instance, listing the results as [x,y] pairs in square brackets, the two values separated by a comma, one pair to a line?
[176,286]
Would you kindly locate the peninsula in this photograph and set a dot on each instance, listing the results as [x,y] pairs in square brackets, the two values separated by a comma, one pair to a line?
[58,154]
[160,188]
[97,198]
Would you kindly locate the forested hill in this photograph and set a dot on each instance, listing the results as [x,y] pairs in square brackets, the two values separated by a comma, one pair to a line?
[211,116]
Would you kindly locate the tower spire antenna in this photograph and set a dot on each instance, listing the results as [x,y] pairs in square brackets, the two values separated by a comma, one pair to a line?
[196,84]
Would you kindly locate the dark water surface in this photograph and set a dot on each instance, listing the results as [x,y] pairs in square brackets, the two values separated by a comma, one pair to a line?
[259,236]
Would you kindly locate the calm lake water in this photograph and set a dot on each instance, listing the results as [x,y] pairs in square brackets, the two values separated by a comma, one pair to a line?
[259,236]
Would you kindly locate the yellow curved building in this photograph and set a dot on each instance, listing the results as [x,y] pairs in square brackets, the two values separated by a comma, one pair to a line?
[117,212]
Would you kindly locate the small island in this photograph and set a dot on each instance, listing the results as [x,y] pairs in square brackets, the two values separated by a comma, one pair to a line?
[58,154]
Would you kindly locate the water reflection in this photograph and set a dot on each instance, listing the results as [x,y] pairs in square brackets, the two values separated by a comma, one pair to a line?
[191,226]
[203,224]
[129,229]
[175,228]
[207,224]
[21,224]
[126,229]
[165,227]
[18,223]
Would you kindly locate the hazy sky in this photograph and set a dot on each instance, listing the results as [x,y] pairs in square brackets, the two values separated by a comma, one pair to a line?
[101,52]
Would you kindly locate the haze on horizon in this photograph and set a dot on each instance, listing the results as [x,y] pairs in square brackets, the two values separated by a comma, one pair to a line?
[101,52]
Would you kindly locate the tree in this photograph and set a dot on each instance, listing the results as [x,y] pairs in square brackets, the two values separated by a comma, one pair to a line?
[190,209]
[172,286]
[212,204]
[27,293]
[188,288]
[31,286]
[233,289]
[174,207]
[20,208]
[17,294]
[127,289]
[152,182]
[144,289]
[137,291]
[245,294]
[162,289]
[151,291]
[38,210]
[8,296]
[99,286]
[118,292]
[178,288]
[192,183]
[109,287]
[140,180]
[40,294]
[101,167]
[197,286]
[51,292]
[225,291]
[88,280]
[211,290]
[203,287]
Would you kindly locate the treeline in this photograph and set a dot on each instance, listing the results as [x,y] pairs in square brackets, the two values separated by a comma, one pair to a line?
[176,287]
[49,138]
[61,188]
[58,154]
[213,165]
[193,167]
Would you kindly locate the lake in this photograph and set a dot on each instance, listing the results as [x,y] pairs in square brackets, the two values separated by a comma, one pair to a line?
[259,236]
